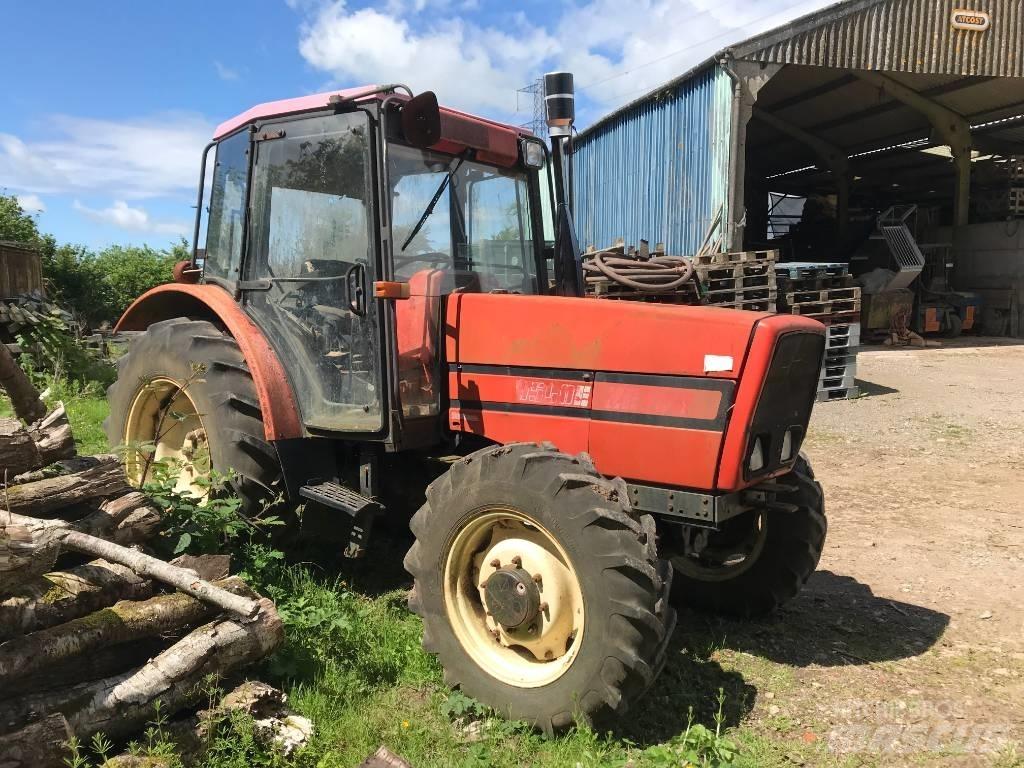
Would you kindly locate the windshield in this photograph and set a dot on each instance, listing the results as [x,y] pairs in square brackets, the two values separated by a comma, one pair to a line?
[478,230]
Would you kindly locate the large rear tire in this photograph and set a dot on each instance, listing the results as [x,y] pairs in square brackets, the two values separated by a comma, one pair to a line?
[184,386]
[594,637]
[760,560]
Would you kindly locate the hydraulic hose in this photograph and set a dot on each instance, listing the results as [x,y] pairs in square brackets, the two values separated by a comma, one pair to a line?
[657,274]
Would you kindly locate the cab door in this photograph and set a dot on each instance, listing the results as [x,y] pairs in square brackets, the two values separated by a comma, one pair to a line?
[311,261]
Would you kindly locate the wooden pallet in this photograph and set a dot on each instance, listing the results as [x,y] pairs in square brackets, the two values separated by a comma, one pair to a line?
[754,305]
[741,295]
[805,271]
[765,281]
[823,295]
[818,283]
[733,271]
[824,308]
[739,257]
[611,289]
[843,393]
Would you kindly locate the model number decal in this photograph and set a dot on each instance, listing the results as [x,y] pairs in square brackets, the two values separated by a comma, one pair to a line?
[547,392]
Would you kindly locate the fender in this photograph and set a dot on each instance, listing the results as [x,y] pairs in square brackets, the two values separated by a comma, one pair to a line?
[277,401]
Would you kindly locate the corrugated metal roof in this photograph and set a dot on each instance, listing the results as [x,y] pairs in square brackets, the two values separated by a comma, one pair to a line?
[899,36]
[658,171]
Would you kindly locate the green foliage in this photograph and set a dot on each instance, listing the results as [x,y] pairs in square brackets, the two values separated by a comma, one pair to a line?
[204,522]
[15,224]
[698,746]
[99,287]
[51,353]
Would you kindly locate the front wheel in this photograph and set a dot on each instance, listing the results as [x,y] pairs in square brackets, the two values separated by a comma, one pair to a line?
[761,559]
[541,592]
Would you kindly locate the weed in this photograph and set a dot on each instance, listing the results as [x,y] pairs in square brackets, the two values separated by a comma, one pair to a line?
[697,746]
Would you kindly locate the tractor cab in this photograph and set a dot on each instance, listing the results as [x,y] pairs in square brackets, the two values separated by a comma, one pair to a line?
[313,213]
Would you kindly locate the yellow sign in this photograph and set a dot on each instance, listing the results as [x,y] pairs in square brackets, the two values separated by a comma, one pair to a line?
[974,21]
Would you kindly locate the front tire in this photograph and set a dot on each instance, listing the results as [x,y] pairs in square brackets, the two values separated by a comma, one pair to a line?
[520,515]
[184,387]
[780,550]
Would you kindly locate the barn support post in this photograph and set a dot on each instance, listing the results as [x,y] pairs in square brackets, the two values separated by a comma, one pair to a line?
[748,79]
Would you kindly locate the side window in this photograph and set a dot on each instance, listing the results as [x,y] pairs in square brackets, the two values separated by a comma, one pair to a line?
[227,205]
[500,237]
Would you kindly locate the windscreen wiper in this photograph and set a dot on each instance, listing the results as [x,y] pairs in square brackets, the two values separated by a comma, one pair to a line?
[433,202]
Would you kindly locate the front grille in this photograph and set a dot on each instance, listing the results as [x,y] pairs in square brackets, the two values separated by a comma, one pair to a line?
[786,399]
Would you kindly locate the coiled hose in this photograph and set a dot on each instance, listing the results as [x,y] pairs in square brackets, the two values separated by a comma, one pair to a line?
[657,274]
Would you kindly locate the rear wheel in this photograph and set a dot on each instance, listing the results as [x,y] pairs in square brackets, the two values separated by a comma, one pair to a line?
[541,592]
[759,560]
[184,389]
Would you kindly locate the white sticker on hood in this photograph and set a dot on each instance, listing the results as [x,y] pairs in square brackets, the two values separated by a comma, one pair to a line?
[717,363]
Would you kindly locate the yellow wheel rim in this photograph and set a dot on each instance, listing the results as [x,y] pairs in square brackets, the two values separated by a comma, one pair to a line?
[164,425]
[502,545]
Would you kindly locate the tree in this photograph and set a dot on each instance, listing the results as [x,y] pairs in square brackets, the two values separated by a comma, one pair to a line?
[15,224]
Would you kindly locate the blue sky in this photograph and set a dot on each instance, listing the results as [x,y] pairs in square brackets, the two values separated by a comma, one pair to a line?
[106,106]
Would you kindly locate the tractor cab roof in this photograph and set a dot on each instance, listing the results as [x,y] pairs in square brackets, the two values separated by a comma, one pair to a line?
[497,141]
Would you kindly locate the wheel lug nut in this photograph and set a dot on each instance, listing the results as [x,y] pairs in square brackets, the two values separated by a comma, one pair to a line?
[549,655]
[495,563]
[517,561]
[532,629]
[496,634]
[543,607]
[537,578]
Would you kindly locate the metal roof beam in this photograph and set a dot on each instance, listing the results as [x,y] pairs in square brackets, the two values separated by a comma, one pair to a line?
[831,155]
[952,127]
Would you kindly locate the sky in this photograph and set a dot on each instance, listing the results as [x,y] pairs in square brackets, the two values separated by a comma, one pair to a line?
[106,107]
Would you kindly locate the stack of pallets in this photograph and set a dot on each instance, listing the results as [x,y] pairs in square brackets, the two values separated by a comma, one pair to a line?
[743,280]
[825,292]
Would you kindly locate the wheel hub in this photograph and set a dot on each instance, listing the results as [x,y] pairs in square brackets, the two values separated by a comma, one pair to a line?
[511,597]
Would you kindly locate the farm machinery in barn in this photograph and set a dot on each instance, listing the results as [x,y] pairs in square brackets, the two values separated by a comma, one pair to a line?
[390,289]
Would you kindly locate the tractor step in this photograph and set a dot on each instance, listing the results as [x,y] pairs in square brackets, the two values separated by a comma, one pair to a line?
[362,508]
[337,496]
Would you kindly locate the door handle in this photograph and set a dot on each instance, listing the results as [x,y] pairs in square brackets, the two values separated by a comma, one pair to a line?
[355,281]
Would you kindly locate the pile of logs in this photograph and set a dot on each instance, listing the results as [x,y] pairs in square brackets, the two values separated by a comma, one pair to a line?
[94,631]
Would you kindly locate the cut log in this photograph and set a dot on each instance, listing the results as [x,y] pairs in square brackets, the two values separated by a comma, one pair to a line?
[18,451]
[119,705]
[63,467]
[185,580]
[105,662]
[52,436]
[384,758]
[43,744]
[123,622]
[24,397]
[28,549]
[209,567]
[41,497]
[126,520]
[61,596]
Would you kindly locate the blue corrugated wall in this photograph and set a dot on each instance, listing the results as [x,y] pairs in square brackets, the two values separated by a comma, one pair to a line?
[659,170]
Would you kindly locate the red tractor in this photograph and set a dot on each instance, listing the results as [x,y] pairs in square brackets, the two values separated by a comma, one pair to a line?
[391,290]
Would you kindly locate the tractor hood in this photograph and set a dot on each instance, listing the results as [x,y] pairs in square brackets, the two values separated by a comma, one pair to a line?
[654,392]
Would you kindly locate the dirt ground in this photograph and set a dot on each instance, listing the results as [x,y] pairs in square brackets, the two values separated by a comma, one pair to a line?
[907,646]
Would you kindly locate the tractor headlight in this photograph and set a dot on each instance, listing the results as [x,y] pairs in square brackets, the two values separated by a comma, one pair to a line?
[756,461]
[533,153]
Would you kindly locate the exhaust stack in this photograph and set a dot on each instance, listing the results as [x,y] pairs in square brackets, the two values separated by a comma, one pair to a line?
[559,103]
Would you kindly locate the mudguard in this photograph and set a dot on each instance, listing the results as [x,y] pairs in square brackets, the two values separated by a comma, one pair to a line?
[277,401]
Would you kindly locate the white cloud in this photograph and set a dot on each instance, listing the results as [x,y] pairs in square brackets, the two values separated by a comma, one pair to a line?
[154,156]
[31,203]
[466,64]
[620,49]
[124,216]
[225,72]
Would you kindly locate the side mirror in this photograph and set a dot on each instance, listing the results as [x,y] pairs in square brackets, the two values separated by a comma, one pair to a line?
[421,120]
